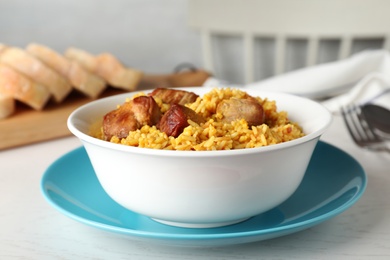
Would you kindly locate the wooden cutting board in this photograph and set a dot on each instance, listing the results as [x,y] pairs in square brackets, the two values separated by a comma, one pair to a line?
[28,126]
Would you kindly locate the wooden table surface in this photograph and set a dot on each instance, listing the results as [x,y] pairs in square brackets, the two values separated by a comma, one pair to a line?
[29,126]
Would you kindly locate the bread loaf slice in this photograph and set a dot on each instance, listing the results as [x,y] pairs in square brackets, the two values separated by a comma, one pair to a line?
[16,85]
[84,58]
[7,105]
[2,47]
[85,81]
[36,70]
[116,74]
[79,77]
[107,67]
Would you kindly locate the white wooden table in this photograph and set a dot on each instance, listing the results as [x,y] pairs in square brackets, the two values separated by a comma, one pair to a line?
[31,229]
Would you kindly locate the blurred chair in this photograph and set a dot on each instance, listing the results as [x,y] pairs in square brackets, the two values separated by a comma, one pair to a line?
[278,24]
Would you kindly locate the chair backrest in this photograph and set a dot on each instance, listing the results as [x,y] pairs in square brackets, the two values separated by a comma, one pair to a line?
[310,21]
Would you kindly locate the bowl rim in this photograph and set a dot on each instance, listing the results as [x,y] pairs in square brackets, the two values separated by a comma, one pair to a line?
[180,153]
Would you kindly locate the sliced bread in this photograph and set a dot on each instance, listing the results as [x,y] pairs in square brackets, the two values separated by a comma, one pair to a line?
[36,70]
[84,58]
[7,105]
[108,67]
[79,77]
[116,74]
[16,85]
[2,47]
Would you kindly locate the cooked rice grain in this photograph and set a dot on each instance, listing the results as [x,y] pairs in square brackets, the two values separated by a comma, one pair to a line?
[214,134]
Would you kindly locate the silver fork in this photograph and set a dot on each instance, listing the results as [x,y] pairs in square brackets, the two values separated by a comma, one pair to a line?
[360,131]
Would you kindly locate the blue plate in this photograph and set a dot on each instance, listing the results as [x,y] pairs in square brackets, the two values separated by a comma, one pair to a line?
[334,181]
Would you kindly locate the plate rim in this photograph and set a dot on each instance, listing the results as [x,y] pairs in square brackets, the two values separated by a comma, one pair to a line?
[301,225]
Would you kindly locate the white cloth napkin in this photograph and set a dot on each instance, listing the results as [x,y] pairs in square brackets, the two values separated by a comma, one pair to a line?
[363,77]
[373,88]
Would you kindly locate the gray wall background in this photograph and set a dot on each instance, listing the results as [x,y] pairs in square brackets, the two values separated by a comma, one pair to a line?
[151,35]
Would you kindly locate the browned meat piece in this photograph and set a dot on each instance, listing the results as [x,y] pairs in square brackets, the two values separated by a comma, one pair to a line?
[176,118]
[248,109]
[174,96]
[119,122]
[131,116]
[146,111]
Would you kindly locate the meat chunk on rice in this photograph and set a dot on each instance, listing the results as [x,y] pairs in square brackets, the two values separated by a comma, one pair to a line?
[130,116]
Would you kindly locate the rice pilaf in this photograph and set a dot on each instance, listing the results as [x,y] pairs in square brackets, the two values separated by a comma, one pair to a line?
[215,134]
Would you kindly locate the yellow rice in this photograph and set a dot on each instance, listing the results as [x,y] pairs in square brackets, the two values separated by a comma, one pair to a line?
[214,134]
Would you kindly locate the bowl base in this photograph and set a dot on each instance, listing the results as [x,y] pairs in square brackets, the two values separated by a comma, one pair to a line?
[199,225]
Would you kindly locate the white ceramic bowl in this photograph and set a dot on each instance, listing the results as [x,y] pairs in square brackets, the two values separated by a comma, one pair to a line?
[202,188]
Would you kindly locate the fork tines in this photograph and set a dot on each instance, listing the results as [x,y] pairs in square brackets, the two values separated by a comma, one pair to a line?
[360,131]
